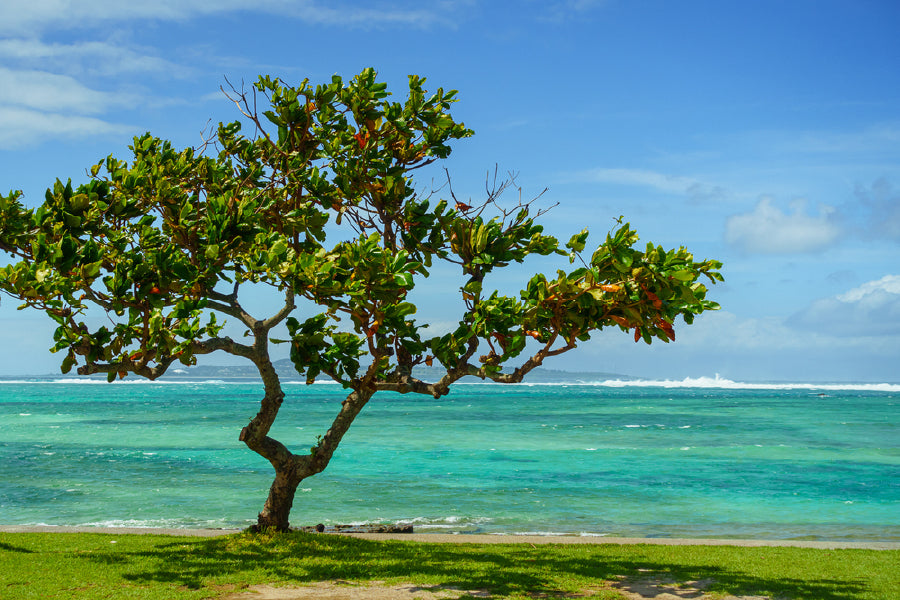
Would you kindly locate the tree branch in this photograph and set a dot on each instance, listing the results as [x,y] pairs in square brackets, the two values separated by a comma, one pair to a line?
[350,408]
[226,344]
[281,315]
[128,366]
[230,306]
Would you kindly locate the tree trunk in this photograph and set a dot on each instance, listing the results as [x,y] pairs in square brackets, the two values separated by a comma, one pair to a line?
[277,509]
[291,469]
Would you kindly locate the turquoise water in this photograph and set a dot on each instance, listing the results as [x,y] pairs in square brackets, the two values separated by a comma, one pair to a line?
[658,460]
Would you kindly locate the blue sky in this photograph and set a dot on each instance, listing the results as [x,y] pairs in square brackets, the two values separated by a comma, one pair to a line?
[763,134]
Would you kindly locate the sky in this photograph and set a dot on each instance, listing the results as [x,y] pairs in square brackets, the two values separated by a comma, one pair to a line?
[763,134]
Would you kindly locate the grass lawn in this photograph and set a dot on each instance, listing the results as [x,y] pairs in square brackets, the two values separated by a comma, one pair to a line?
[89,565]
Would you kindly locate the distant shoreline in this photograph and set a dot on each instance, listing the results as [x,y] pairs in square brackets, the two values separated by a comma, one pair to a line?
[287,373]
[240,373]
[541,377]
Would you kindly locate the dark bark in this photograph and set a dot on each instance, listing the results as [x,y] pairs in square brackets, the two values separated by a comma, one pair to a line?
[277,509]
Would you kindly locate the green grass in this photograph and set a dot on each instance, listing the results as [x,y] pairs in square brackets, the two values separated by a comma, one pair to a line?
[87,565]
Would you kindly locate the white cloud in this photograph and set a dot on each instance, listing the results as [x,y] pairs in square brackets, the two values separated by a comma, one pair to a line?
[870,310]
[46,91]
[33,15]
[670,184]
[724,330]
[21,127]
[889,284]
[716,332]
[89,57]
[56,88]
[36,105]
[640,177]
[769,230]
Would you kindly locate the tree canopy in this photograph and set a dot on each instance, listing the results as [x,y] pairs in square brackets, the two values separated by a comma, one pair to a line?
[320,205]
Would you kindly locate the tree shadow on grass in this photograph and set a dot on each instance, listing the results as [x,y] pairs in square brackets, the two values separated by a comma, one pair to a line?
[10,548]
[502,569]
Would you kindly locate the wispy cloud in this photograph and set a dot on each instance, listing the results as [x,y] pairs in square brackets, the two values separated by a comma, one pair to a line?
[69,89]
[872,309]
[559,11]
[640,177]
[876,137]
[35,105]
[45,91]
[93,58]
[768,229]
[63,88]
[881,203]
[37,15]
[21,127]
[411,14]
[723,329]
[693,188]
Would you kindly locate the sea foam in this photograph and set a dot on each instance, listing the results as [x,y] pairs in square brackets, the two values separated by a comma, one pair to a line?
[723,383]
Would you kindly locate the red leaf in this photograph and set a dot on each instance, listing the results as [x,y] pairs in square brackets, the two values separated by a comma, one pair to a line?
[620,320]
[667,328]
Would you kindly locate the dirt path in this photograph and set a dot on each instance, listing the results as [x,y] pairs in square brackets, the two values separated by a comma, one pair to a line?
[341,590]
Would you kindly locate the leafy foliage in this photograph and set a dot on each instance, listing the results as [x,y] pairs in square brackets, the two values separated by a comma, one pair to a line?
[166,242]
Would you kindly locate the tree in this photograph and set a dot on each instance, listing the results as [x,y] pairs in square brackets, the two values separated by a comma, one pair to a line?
[164,246]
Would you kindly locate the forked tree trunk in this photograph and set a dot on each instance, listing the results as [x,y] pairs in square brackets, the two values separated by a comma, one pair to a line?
[291,469]
[277,509]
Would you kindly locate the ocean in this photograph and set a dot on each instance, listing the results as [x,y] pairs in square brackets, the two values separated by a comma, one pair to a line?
[696,458]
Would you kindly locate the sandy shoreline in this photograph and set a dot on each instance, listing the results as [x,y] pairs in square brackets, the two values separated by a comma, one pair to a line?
[466,538]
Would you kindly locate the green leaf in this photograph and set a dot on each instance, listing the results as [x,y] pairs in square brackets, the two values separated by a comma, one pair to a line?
[404,309]
[473,286]
[683,275]
[625,258]
[271,116]
[403,279]
[578,241]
